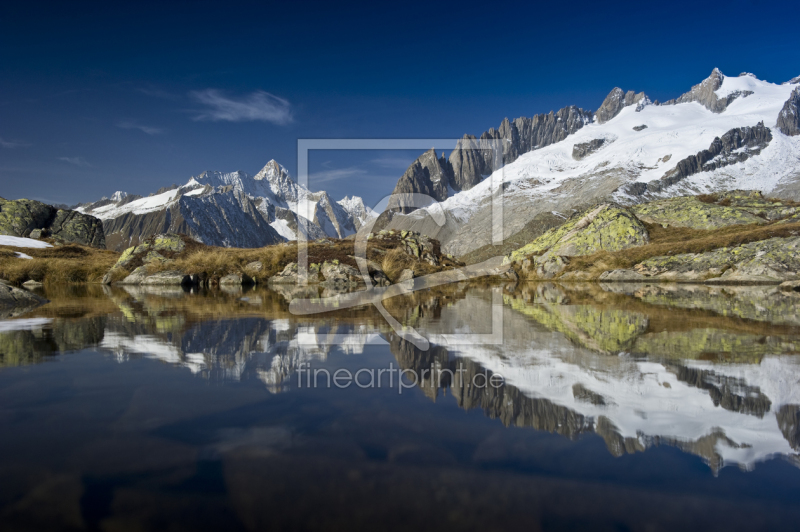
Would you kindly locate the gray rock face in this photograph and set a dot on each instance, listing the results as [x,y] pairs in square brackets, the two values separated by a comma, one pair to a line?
[579,151]
[704,94]
[427,175]
[243,225]
[640,128]
[735,146]
[792,81]
[28,217]
[789,117]
[473,158]
[616,101]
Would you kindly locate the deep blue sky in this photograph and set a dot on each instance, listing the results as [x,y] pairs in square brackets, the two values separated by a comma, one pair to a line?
[100,97]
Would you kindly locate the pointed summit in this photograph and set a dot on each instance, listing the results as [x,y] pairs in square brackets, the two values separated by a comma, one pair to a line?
[704,93]
[272,172]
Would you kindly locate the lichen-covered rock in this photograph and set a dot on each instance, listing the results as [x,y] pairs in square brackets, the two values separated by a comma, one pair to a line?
[606,227]
[168,242]
[773,260]
[23,217]
[340,274]
[289,275]
[689,211]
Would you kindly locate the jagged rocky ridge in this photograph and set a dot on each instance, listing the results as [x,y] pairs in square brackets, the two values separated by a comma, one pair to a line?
[473,158]
[229,209]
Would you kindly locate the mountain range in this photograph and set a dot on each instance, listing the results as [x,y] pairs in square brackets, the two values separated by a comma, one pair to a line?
[725,133]
[229,209]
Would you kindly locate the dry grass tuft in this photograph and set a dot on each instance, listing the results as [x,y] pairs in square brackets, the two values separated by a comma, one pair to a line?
[395,261]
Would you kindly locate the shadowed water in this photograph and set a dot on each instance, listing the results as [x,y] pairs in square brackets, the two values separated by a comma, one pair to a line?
[544,406]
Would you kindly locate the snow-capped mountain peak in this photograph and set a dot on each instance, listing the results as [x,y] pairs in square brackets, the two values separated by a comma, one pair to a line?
[229,208]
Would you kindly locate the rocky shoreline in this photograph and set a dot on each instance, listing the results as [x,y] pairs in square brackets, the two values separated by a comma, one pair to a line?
[734,238]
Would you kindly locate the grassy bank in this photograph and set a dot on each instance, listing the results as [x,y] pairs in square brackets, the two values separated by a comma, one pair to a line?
[62,264]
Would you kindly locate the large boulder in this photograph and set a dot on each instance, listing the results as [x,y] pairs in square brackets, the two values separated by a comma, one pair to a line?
[34,219]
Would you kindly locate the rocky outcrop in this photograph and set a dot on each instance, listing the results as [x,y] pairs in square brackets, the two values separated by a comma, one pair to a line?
[789,117]
[704,93]
[606,227]
[732,208]
[616,101]
[581,150]
[768,261]
[735,146]
[15,301]
[29,218]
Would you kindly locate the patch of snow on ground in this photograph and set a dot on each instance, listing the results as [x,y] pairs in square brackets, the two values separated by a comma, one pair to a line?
[23,256]
[20,242]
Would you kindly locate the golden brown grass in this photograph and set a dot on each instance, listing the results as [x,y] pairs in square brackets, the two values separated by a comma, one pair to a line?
[678,240]
[215,263]
[62,264]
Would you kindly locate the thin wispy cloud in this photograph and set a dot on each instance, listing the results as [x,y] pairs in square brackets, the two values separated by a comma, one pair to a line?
[77,161]
[335,175]
[257,106]
[12,144]
[145,129]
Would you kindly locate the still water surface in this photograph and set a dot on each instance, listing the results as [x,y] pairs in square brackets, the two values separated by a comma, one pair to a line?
[616,407]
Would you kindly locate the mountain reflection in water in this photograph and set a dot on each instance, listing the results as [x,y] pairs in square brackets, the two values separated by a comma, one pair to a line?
[711,371]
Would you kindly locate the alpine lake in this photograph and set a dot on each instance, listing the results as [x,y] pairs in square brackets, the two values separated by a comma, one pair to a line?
[535,406]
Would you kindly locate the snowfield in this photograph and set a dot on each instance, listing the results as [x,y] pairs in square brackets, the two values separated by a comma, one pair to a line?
[20,242]
[673,133]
